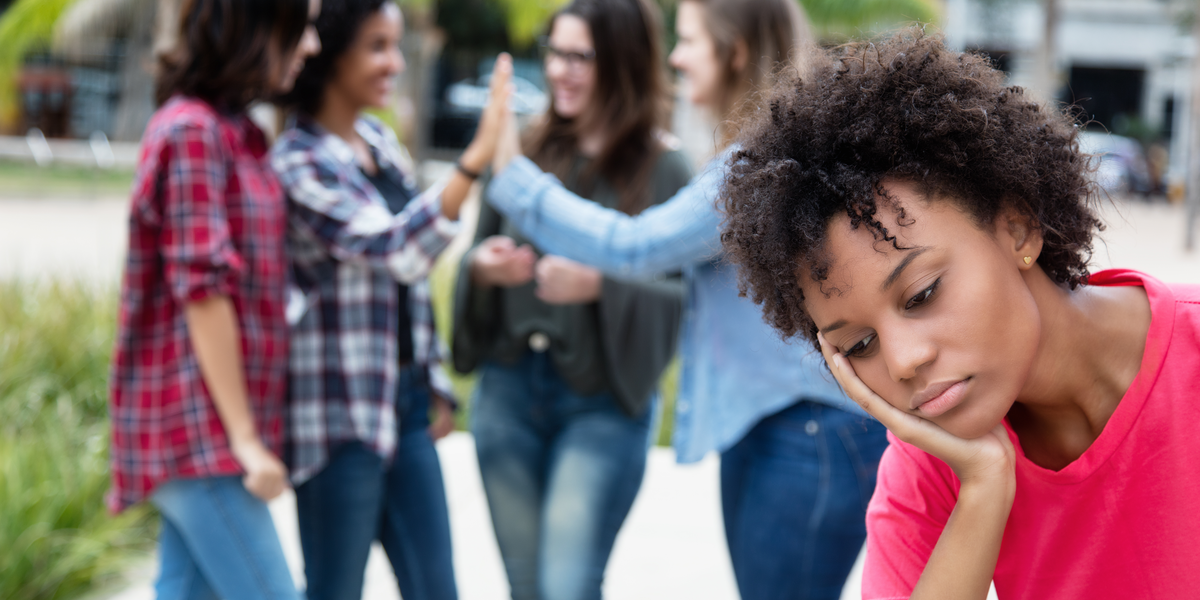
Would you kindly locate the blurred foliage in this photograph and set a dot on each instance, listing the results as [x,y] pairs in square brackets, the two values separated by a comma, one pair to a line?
[525,19]
[27,25]
[58,540]
[837,20]
[23,180]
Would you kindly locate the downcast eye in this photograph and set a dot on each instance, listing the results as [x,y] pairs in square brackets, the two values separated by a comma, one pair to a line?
[923,296]
[861,346]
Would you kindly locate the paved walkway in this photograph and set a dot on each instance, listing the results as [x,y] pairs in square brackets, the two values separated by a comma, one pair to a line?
[672,546]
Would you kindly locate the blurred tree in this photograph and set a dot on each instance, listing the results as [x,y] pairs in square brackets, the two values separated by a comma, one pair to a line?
[831,19]
[92,28]
[1192,14]
[837,20]
[26,26]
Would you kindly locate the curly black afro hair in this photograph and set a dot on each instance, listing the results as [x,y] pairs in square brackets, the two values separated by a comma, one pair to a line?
[904,108]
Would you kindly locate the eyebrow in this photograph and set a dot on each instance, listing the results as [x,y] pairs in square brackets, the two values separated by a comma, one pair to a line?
[838,324]
[891,279]
[887,283]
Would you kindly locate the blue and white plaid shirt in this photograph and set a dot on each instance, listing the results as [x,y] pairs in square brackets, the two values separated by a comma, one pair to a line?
[348,251]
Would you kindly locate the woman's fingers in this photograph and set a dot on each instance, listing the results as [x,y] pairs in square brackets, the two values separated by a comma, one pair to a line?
[501,77]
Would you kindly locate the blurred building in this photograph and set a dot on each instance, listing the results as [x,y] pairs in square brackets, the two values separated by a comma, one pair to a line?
[1126,63]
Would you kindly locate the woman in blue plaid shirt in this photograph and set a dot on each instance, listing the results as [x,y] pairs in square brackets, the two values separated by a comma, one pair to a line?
[364,365]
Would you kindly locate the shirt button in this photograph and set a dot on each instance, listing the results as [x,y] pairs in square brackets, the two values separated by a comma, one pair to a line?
[539,342]
[683,406]
[811,427]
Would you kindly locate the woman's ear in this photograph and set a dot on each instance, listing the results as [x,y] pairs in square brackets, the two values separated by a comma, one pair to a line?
[1022,236]
[741,56]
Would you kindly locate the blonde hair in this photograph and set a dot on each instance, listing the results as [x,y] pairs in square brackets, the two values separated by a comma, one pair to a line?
[774,33]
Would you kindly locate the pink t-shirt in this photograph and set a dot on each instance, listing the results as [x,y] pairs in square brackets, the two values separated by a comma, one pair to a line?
[1121,522]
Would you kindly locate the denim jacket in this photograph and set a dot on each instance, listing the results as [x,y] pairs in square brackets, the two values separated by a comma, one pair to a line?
[735,369]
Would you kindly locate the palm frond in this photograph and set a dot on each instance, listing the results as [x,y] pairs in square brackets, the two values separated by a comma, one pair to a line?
[27,25]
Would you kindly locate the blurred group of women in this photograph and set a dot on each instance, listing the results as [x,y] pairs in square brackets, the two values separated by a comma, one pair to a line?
[276,326]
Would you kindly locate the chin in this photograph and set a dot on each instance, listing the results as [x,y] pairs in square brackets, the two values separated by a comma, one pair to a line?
[973,420]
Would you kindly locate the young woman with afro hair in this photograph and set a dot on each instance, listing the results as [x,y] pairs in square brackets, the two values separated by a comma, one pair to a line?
[929,230]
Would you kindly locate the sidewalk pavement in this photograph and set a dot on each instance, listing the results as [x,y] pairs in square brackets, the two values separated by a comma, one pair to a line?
[672,545]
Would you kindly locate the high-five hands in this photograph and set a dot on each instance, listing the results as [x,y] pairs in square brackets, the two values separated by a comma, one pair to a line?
[482,149]
[494,119]
[508,146]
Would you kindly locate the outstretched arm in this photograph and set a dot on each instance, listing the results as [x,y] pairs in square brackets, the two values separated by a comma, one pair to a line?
[683,230]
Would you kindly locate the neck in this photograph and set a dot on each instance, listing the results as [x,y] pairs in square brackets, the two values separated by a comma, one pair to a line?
[590,144]
[337,115]
[1091,349]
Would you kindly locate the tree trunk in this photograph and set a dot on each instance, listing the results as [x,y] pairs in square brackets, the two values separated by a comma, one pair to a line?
[1193,173]
[137,75]
[422,45]
[1046,71]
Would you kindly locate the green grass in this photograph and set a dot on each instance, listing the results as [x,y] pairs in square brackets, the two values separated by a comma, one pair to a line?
[21,180]
[58,540]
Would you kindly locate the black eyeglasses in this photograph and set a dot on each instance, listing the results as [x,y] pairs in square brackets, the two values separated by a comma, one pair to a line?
[574,60]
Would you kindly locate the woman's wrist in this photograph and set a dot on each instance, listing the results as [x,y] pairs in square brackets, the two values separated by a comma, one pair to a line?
[474,159]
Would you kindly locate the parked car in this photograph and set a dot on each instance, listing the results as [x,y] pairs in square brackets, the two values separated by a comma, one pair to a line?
[458,111]
[1122,168]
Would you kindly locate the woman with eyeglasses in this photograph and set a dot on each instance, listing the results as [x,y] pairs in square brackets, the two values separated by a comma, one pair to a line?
[798,459]
[569,359]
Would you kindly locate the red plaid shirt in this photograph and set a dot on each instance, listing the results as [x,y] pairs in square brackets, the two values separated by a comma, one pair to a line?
[207,218]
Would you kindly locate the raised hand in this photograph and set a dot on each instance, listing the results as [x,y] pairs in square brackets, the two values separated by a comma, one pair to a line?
[988,458]
[508,146]
[563,281]
[499,262]
[494,119]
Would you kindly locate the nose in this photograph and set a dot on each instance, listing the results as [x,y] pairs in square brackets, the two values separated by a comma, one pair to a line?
[905,350]
[675,58]
[556,68]
[314,41]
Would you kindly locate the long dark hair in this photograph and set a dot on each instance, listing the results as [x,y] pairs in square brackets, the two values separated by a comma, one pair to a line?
[230,52]
[630,101]
[338,26]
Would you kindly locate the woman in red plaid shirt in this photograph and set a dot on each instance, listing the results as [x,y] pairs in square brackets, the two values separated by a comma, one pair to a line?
[197,383]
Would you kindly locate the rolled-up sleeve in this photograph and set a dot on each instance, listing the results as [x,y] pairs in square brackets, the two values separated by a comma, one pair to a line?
[199,257]
[353,228]
[664,238]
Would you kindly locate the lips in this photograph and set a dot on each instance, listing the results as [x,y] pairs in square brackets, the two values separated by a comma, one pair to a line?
[938,398]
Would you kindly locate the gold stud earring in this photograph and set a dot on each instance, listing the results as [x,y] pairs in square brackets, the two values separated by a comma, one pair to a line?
[1028,260]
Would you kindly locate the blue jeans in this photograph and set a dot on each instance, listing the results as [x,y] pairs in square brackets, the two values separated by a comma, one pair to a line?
[560,471]
[794,494]
[218,541]
[357,499]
